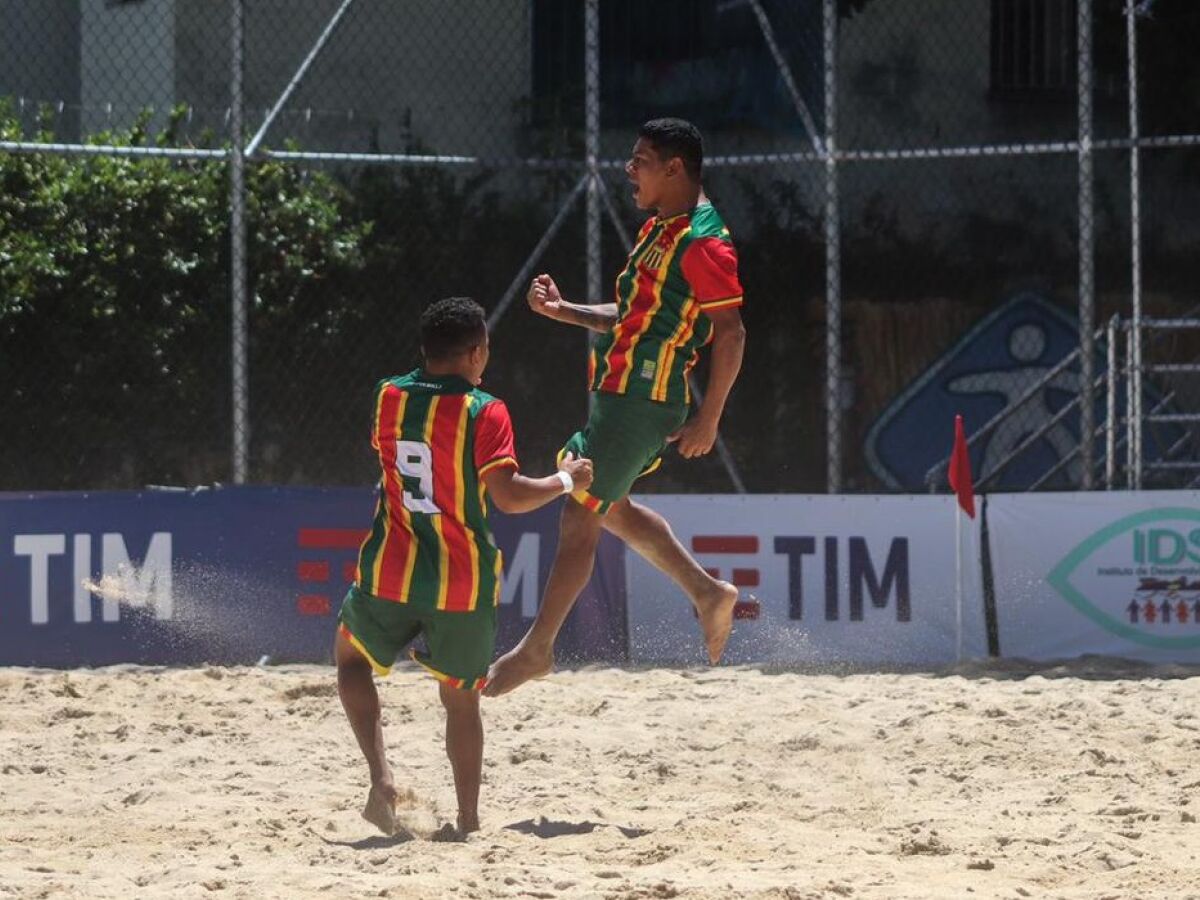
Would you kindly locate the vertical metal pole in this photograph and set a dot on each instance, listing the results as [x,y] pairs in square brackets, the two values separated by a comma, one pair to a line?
[833,283]
[958,582]
[1135,250]
[1087,262]
[591,77]
[237,255]
[1129,410]
[1110,420]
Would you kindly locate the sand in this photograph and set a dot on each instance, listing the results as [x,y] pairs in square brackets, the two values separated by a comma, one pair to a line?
[223,783]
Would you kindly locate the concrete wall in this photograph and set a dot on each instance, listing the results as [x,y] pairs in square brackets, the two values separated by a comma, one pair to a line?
[126,59]
[39,57]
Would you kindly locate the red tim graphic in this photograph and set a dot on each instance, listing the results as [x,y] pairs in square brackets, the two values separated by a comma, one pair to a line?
[317,573]
[743,544]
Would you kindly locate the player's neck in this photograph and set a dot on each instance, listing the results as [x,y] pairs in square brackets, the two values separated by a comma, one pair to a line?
[686,203]
[444,370]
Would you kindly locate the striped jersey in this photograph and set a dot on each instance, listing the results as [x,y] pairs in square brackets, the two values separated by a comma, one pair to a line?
[430,545]
[680,268]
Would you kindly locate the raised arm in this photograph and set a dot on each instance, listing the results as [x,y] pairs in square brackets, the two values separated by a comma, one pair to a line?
[544,298]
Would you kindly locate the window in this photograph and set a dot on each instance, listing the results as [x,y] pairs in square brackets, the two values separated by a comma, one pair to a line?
[1033,49]
[704,60]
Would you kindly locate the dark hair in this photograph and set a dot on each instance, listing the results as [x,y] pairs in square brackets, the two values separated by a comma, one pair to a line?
[451,326]
[676,137]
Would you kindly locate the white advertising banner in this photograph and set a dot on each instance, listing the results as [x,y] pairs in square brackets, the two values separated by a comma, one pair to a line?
[824,580]
[1114,573]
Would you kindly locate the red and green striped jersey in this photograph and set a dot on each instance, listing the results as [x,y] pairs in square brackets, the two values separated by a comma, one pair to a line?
[430,545]
[680,268]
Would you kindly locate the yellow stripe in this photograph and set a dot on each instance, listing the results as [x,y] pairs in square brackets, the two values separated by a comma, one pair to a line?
[498,461]
[376,666]
[378,413]
[403,513]
[634,256]
[666,356]
[440,676]
[722,304]
[663,268]
[358,575]
[435,520]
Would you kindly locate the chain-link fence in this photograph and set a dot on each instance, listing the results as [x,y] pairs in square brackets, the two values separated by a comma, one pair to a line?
[219,220]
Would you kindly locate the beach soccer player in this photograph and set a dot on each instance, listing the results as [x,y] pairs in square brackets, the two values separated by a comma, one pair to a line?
[429,567]
[679,291]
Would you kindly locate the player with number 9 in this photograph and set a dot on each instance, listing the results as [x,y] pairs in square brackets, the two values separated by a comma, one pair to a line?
[429,566]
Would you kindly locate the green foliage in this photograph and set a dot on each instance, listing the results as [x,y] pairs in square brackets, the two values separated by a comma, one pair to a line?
[114,303]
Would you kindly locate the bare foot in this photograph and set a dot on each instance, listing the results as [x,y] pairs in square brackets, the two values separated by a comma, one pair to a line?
[448,834]
[468,824]
[380,810]
[716,618]
[517,666]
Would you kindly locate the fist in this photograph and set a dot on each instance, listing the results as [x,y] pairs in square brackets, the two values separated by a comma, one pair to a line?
[580,471]
[543,296]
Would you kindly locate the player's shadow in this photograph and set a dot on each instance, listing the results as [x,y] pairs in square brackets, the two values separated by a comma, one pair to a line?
[549,828]
[375,842]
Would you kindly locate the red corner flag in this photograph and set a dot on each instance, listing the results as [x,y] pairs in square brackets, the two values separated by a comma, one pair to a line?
[960,470]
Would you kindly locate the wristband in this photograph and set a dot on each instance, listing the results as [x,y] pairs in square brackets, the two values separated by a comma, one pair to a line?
[568,482]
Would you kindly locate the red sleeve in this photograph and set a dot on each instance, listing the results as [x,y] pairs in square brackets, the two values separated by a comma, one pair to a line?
[710,267]
[494,444]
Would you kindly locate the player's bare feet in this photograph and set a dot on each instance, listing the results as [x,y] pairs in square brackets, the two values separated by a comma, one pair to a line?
[521,664]
[716,618]
[448,834]
[380,810]
[468,824]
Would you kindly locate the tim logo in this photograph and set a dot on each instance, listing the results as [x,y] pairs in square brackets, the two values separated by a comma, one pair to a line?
[329,563]
[852,575]
[732,544]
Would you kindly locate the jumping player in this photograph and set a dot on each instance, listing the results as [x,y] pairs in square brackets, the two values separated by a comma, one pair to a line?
[679,291]
[429,566]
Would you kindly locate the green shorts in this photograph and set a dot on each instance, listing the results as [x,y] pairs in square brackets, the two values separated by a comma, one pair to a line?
[458,646]
[624,438]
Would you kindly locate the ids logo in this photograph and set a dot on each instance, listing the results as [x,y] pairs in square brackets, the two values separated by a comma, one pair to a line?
[1139,578]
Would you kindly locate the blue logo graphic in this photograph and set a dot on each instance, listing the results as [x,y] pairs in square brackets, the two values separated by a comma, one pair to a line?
[997,362]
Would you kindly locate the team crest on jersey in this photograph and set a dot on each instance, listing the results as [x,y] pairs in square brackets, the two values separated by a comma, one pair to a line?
[653,257]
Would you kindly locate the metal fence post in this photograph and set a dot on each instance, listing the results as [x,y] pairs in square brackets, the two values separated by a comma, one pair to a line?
[1110,423]
[591,75]
[1087,262]
[833,284]
[237,254]
[1130,412]
[1135,246]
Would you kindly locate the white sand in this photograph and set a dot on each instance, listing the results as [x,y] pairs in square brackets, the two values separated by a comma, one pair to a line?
[225,783]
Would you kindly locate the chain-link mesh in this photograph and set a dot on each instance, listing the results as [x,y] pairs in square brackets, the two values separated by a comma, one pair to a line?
[401,152]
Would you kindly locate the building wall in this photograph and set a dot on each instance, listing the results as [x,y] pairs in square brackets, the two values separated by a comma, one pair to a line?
[126,61]
[39,58]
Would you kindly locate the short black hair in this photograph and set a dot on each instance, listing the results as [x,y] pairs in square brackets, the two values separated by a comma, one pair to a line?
[451,326]
[676,137]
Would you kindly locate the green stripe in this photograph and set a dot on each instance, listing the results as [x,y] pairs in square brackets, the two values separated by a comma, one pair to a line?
[372,546]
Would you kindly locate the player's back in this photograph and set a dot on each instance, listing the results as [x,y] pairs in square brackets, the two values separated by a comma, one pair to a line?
[430,545]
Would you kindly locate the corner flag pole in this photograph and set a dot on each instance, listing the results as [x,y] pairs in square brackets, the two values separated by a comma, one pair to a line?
[958,581]
[959,476]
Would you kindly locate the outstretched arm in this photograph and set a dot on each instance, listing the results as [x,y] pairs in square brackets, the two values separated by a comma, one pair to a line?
[515,493]
[698,435]
[544,298]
